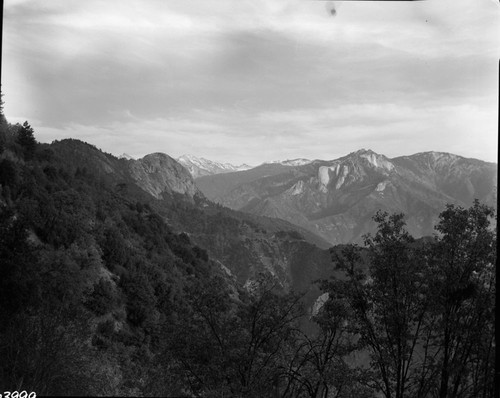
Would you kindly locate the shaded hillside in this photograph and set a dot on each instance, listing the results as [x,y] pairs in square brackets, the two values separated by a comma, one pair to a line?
[90,274]
[244,244]
[157,174]
[214,186]
[107,280]
[249,245]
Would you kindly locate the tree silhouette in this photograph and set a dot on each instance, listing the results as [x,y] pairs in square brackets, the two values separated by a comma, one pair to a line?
[26,138]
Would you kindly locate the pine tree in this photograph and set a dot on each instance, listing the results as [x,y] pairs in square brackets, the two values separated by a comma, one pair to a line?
[26,138]
[3,120]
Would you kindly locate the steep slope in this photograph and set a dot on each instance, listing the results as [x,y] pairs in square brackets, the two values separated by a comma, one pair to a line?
[201,167]
[157,174]
[244,244]
[336,199]
[216,187]
[94,284]
[458,177]
[248,245]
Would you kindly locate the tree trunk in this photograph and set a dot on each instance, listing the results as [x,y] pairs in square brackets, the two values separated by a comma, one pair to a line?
[443,391]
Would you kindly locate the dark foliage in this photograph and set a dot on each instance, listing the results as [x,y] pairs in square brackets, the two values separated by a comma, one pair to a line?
[26,138]
[102,296]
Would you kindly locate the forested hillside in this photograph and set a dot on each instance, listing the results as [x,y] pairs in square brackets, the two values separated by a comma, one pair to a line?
[101,296]
[244,244]
[109,290]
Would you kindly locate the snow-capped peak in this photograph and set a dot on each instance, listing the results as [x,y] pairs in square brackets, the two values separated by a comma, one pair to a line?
[200,166]
[293,162]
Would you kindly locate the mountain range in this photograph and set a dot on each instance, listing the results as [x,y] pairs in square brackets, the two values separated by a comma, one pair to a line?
[111,263]
[200,166]
[293,162]
[243,244]
[280,218]
[336,199]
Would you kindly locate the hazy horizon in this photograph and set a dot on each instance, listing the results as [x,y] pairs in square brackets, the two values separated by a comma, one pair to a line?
[256,81]
[284,159]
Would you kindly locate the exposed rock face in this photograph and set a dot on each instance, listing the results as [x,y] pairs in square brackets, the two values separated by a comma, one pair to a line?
[318,304]
[337,199]
[158,173]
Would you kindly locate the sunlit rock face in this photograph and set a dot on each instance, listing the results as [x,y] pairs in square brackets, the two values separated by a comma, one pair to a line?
[158,173]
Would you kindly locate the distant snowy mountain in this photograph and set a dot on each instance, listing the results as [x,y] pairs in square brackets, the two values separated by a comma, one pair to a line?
[293,162]
[126,156]
[202,167]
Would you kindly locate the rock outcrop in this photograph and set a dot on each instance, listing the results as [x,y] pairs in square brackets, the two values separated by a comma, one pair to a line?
[336,199]
[158,174]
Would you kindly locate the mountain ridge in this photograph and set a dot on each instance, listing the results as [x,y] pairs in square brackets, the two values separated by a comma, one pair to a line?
[337,198]
[291,162]
[245,244]
[200,166]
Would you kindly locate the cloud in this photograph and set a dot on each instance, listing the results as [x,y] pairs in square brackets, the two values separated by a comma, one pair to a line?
[225,79]
[389,129]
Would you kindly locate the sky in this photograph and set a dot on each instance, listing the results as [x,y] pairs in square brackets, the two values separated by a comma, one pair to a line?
[250,81]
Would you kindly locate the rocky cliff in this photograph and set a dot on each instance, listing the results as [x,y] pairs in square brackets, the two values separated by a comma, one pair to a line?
[158,174]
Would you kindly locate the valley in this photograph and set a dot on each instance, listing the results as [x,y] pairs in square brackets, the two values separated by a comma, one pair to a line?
[137,283]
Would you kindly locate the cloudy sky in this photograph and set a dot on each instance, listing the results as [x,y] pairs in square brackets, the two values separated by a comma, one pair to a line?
[255,80]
